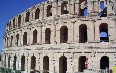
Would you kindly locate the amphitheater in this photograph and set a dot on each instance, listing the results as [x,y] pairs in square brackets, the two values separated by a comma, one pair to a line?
[62,36]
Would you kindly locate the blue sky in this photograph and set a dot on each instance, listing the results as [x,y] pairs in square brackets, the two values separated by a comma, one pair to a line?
[10,8]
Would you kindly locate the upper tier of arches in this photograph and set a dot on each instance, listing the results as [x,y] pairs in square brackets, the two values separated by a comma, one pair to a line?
[82,8]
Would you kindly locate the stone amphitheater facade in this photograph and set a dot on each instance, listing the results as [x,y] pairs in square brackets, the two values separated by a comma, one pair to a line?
[62,36]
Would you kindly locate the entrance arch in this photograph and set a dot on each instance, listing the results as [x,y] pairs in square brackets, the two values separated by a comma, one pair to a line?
[63,34]
[14,63]
[33,63]
[82,61]
[23,63]
[46,63]
[62,64]
[104,62]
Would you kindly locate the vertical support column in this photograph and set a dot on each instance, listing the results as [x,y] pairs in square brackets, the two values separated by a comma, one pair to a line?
[97,33]
[21,37]
[71,7]
[70,32]
[28,36]
[77,7]
[54,8]
[40,34]
[31,36]
[45,10]
[43,35]
[59,7]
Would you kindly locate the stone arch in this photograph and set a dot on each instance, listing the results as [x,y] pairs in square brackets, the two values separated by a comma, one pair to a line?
[46,63]
[104,62]
[63,34]
[103,28]
[35,36]
[11,42]
[17,39]
[14,62]
[37,13]
[82,65]
[14,23]
[9,61]
[83,33]
[25,38]
[23,63]
[47,35]
[83,7]
[33,63]
[49,10]
[62,64]
[19,20]
[27,18]
[103,8]
[64,8]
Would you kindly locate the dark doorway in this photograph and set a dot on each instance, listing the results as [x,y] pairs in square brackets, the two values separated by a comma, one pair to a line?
[23,63]
[103,28]
[17,39]
[46,64]
[82,33]
[63,34]
[35,36]
[25,38]
[82,61]
[9,60]
[14,63]
[62,64]
[49,10]
[27,17]
[104,62]
[37,13]
[47,35]
[64,8]
[33,63]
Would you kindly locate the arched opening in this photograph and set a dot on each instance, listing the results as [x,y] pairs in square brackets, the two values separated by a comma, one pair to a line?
[17,39]
[19,21]
[9,60]
[35,36]
[11,41]
[103,28]
[62,64]
[25,38]
[46,63]
[83,33]
[103,12]
[7,41]
[83,7]
[49,10]
[33,64]
[23,63]
[104,62]
[63,34]
[82,63]
[37,13]
[64,9]
[14,23]
[47,35]
[14,63]
[27,17]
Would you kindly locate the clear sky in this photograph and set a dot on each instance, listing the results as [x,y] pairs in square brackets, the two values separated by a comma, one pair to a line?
[10,8]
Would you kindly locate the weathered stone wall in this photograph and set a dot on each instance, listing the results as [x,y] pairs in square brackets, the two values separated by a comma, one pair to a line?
[93,49]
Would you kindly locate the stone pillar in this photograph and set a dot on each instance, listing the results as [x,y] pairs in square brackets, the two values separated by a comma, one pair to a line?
[28,35]
[45,10]
[97,33]
[39,34]
[54,8]
[71,7]
[77,7]
[43,35]
[21,37]
[31,36]
[70,32]
[59,7]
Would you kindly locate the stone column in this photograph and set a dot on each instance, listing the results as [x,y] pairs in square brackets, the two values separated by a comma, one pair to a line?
[28,35]
[77,7]
[59,7]
[21,37]
[71,7]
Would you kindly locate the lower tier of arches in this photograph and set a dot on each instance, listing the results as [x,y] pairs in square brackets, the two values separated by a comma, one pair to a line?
[59,62]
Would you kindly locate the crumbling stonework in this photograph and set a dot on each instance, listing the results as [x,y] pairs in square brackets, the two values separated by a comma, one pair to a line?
[62,35]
